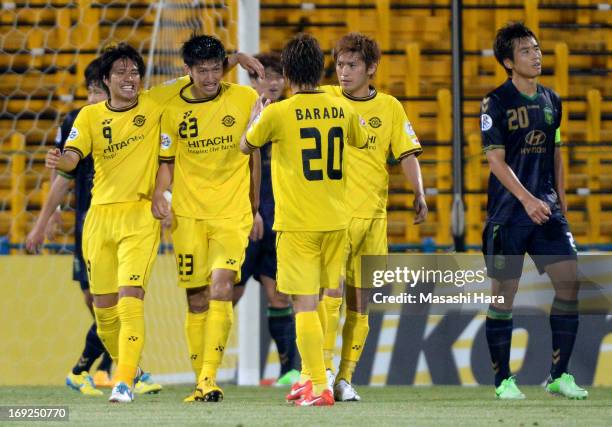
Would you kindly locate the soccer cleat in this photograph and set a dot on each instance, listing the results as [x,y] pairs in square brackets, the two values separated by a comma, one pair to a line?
[288,379]
[121,394]
[83,383]
[324,399]
[299,390]
[208,391]
[146,385]
[566,386]
[508,390]
[331,378]
[345,392]
[190,398]
[102,379]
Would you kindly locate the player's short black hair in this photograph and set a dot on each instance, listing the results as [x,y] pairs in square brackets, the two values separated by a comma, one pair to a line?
[114,53]
[270,60]
[506,37]
[359,43]
[202,48]
[92,73]
[302,60]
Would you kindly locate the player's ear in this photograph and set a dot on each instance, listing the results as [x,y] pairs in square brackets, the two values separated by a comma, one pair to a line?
[508,63]
[372,69]
[187,70]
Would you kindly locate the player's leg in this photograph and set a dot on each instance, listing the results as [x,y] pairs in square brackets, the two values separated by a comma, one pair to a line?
[365,237]
[281,323]
[555,253]
[331,302]
[138,235]
[228,239]
[252,258]
[300,257]
[503,248]
[191,252]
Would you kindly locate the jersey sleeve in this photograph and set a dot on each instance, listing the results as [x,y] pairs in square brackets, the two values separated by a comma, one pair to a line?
[491,124]
[168,138]
[358,131]
[404,141]
[262,129]
[80,139]
[558,119]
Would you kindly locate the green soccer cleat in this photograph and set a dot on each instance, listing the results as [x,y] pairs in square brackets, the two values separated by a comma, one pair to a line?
[288,379]
[508,390]
[566,386]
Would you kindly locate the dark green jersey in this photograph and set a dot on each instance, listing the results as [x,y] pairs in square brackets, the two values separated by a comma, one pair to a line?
[527,129]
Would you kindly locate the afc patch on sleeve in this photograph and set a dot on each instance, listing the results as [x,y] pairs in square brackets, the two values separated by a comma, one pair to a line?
[486,122]
[74,133]
[166,141]
[58,135]
[409,130]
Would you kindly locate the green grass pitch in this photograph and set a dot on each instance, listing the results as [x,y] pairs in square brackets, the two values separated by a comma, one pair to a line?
[380,406]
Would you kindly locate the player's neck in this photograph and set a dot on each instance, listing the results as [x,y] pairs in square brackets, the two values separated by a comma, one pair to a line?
[302,88]
[361,92]
[121,103]
[527,86]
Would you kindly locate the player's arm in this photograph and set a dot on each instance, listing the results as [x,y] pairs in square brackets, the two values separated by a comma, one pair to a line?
[559,173]
[78,145]
[255,168]
[65,162]
[160,206]
[538,211]
[246,61]
[412,171]
[36,237]
[257,132]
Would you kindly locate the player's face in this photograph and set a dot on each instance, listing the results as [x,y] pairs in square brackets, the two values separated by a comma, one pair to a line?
[271,87]
[95,94]
[527,61]
[206,77]
[353,75]
[124,80]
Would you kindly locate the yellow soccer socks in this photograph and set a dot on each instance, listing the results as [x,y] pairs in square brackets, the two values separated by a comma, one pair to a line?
[216,330]
[131,338]
[309,338]
[332,307]
[194,331]
[107,320]
[354,336]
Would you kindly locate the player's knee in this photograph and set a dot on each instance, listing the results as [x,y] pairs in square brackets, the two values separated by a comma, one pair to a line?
[334,293]
[222,290]
[280,300]
[131,291]
[197,300]
[88,298]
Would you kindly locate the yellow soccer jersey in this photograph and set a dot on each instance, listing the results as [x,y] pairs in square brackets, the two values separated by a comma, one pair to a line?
[124,144]
[367,179]
[309,132]
[202,136]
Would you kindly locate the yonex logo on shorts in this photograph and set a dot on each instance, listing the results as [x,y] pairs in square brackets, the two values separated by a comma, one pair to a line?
[132,338]
[230,261]
[135,277]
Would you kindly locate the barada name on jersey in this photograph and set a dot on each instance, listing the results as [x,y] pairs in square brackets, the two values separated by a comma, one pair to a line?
[319,113]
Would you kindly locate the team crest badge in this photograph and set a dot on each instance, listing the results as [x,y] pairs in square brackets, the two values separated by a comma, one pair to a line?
[548,115]
[228,121]
[375,122]
[139,120]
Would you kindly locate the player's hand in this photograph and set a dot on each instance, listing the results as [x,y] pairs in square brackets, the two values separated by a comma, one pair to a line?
[251,64]
[420,208]
[260,104]
[167,221]
[538,211]
[35,239]
[54,225]
[258,228]
[52,158]
[160,208]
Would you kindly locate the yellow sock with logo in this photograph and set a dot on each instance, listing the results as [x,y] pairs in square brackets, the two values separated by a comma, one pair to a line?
[216,331]
[310,344]
[332,306]
[194,331]
[354,336]
[108,325]
[131,338]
